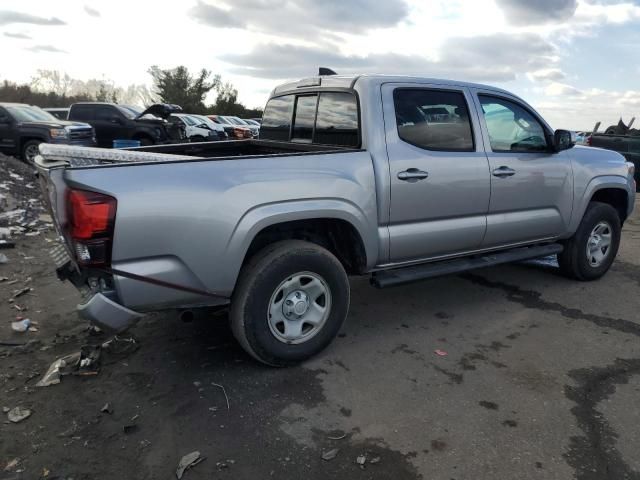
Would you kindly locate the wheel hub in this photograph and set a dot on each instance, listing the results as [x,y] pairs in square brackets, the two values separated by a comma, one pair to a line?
[296,303]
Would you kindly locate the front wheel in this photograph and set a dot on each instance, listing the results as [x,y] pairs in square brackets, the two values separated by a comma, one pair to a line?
[592,249]
[30,150]
[290,302]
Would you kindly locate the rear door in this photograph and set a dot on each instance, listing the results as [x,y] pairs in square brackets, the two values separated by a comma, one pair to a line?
[531,187]
[439,172]
[110,125]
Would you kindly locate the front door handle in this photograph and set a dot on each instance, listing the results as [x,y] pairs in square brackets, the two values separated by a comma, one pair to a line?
[504,172]
[412,175]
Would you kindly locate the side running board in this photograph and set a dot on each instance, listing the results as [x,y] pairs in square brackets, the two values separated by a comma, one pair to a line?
[399,276]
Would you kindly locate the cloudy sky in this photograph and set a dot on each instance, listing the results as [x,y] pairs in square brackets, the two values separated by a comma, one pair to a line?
[576,61]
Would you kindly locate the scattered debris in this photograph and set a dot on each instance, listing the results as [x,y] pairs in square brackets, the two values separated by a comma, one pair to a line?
[223,391]
[18,414]
[440,353]
[21,292]
[45,472]
[361,460]
[3,258]
[12,465]
[330,455]
[374,460]
[129,428]
[107,408]
[7,244]
[89,360]
[340,437]
[21,325]
[190,460]
[62,366]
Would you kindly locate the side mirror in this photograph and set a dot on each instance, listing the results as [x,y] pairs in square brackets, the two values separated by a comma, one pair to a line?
[563,140]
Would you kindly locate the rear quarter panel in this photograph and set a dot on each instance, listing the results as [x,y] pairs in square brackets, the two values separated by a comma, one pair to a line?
[192,222]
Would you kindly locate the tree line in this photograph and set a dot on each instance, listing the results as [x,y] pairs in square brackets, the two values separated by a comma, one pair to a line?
[51,88]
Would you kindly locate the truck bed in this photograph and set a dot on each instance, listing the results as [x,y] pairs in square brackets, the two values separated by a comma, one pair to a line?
[57,155]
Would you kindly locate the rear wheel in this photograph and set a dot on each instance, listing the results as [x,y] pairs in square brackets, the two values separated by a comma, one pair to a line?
[290,302]
[588,255]
[30,150]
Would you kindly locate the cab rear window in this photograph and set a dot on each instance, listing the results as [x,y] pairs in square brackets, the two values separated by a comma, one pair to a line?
[330,118]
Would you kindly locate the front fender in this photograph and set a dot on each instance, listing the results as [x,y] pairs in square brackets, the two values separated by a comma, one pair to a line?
[584,196]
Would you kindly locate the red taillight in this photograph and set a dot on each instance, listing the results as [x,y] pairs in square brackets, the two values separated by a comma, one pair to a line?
[90,220]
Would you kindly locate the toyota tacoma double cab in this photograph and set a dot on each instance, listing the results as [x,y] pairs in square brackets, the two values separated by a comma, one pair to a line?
[23,127]
[392,177]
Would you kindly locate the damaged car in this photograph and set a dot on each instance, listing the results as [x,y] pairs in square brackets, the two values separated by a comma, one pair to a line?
[111,121]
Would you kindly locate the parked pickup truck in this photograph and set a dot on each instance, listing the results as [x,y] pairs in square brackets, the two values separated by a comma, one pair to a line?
[627,145]
[23,127]
[125,122]
[396,178]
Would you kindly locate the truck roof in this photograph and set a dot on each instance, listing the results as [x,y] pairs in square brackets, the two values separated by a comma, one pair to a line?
[349,81]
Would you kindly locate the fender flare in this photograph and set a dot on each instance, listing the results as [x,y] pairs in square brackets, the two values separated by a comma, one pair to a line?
[266,215]
[596,184]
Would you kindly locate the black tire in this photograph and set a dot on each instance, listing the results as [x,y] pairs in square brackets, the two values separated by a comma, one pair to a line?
[574,261]
[259,281]
[28,149]
[198,138]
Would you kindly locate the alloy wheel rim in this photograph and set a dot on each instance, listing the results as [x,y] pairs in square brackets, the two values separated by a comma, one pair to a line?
[599,244]
[31,152]
[299,308]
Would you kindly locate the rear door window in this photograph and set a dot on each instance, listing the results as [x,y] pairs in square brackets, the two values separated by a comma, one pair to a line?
[106,113]
[82,112]
[337,120]
[304,118]
[276,120]
[433,119]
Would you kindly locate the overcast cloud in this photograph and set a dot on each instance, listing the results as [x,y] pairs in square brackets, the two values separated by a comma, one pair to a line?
[18,35]
[91,11]
[300,17]
[533,12]
[46,48]
[495,57]
[575,60]
[7,17]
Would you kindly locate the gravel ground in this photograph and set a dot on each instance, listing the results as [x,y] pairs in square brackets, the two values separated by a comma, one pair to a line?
[540,381]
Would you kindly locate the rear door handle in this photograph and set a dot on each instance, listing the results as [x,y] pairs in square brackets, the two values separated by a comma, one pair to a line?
[412,175]
[503,172]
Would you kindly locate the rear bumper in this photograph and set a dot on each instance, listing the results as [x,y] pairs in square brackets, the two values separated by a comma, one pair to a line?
[107,314]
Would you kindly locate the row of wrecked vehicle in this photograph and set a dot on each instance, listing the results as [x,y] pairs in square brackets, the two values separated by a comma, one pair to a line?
[24,127]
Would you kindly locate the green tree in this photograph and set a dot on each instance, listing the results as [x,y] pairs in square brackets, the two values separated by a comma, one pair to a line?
[178,86]
[227,103]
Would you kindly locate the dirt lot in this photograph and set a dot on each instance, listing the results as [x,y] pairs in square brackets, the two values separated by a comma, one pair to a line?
[540,381]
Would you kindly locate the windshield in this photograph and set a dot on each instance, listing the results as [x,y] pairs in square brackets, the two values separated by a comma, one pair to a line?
[224,120]
[232,121]
[129,111]
[29,113]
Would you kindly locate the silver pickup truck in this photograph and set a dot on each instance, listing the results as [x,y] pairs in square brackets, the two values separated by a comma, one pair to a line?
[397,178]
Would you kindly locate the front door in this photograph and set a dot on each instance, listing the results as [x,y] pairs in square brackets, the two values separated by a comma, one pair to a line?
[531,187]
[8,136]
[439,172]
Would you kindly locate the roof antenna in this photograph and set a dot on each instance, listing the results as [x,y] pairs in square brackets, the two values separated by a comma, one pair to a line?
[326,71]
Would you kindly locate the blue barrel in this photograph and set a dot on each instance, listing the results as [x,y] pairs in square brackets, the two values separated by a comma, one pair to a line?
[126,143]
